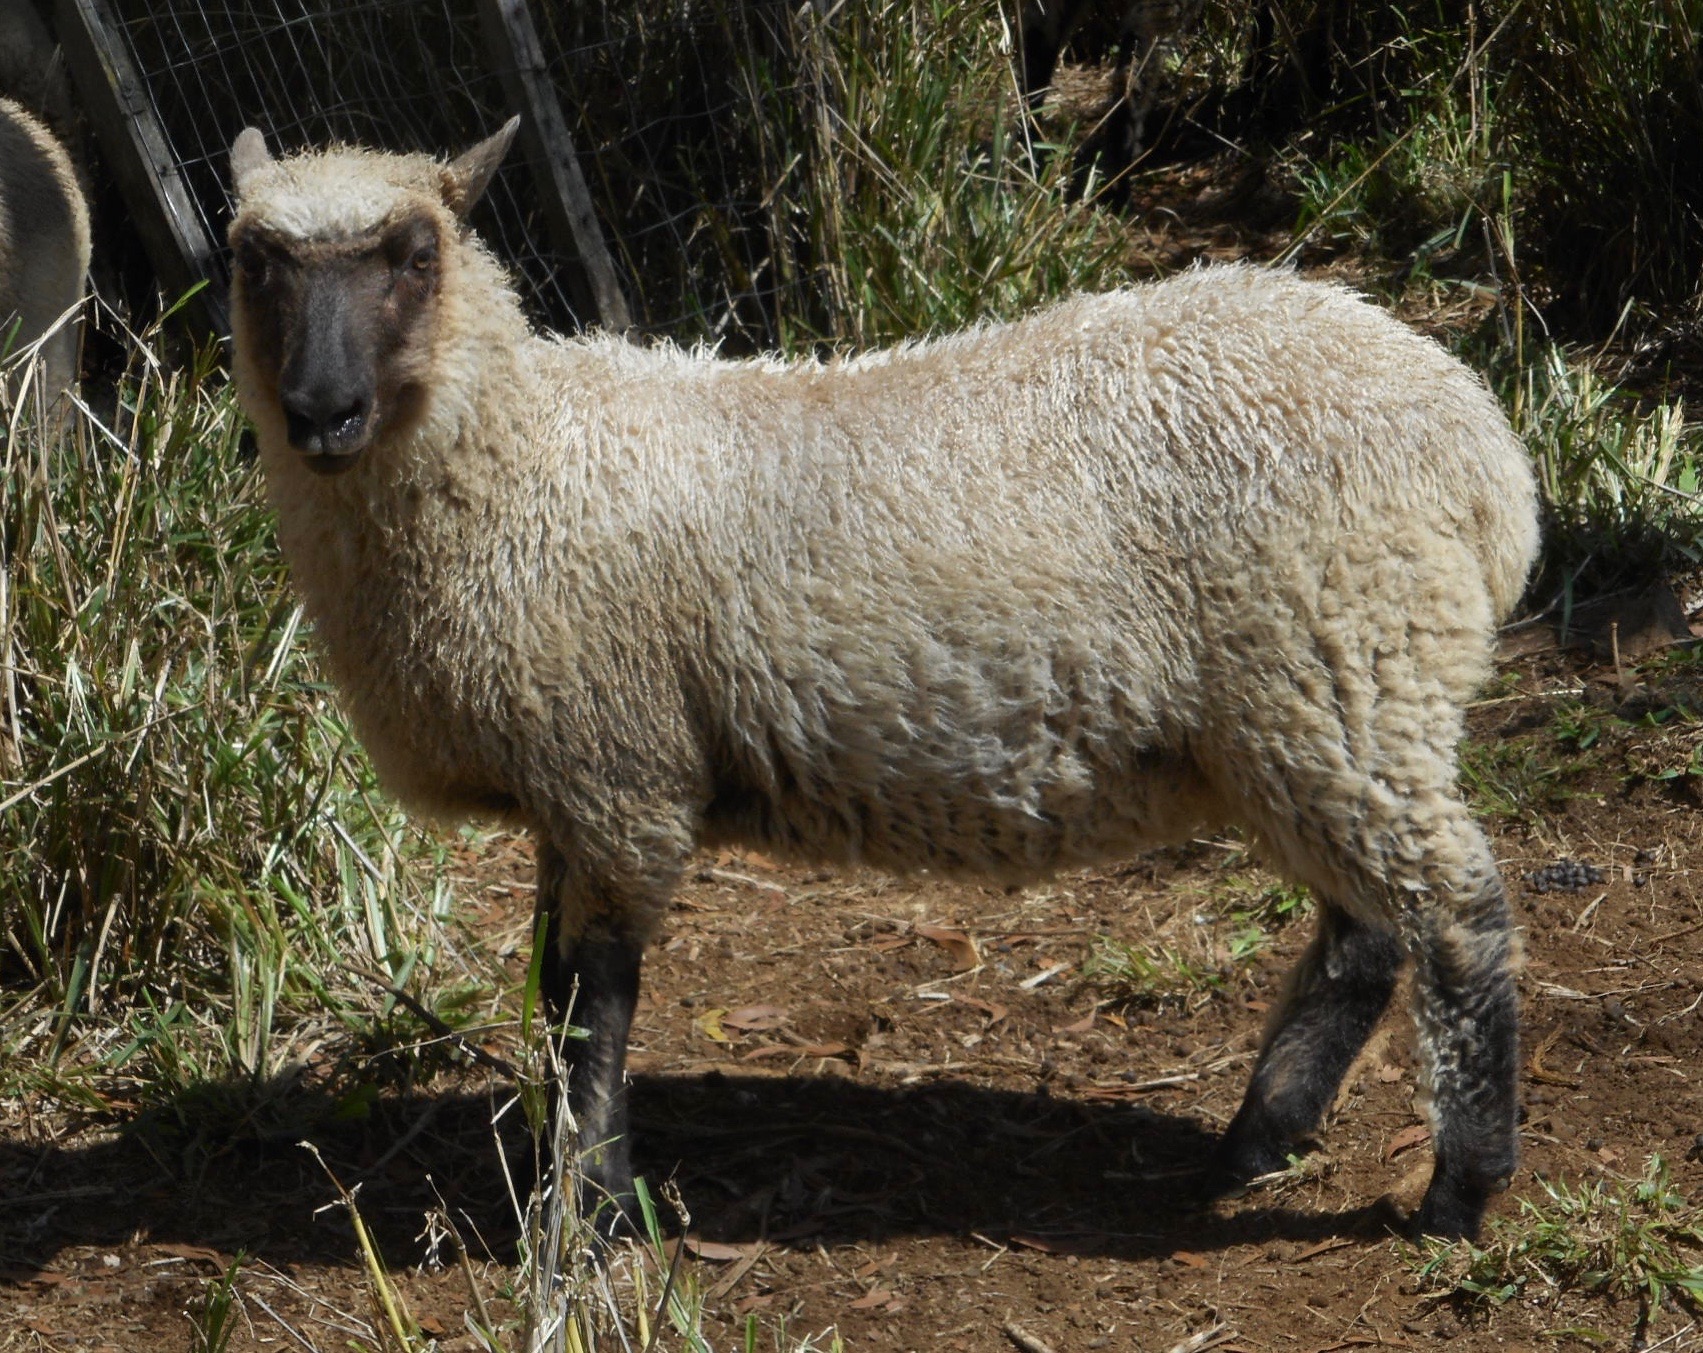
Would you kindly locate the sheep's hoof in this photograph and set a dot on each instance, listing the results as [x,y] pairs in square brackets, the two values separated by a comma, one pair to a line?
[1449,1213]
[1242,1157]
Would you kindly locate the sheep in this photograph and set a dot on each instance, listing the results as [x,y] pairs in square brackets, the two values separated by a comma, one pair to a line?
[1229,548]
[44,245]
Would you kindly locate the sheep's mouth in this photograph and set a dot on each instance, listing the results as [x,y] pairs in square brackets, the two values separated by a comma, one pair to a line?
[330,462]
[339,436]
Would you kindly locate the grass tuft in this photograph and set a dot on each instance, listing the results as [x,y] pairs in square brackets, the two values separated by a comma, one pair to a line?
[1619,1238]
[194,855]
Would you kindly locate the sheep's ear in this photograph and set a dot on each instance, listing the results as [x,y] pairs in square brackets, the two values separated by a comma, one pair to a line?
[466,177]
[248,154]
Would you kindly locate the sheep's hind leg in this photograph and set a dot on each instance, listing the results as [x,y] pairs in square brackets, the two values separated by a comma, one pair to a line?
[1334,998]
[1466,1009]
[591,980]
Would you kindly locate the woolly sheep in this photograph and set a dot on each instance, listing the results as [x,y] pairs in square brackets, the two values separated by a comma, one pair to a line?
[1229,548]
[44,243]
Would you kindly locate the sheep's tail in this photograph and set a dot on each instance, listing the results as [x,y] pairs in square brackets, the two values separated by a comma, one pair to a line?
[1510,540]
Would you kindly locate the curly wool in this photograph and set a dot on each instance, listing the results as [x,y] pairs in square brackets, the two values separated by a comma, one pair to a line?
[44,240]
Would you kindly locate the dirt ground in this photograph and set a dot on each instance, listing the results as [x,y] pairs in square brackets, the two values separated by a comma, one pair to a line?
[897,1108]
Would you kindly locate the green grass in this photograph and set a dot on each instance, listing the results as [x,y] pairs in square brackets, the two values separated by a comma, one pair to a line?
[1637,1238]
[194,855]
[1526,778]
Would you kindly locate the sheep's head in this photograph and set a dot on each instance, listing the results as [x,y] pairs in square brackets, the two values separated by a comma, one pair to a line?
[339,263]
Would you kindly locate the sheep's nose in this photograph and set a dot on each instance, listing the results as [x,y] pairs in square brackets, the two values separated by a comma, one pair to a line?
[327,422]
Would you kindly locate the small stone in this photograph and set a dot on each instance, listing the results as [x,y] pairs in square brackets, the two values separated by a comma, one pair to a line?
[1594,1144]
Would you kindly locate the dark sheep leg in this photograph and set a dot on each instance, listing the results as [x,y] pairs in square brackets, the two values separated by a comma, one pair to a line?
[1467,1012]
[1335,996]
[596,973]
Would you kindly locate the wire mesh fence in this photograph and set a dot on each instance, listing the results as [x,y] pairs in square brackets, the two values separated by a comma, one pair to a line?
[398,74]
[665,99]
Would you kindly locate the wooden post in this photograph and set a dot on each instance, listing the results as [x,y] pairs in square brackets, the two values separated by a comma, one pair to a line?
[514,49]
[140,155]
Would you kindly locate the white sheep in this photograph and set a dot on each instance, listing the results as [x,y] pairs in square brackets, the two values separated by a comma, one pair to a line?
[44,245]
[1225,549]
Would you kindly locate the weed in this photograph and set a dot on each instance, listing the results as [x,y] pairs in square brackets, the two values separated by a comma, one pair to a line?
[1519,778]
[213,1324]
[1627,1238]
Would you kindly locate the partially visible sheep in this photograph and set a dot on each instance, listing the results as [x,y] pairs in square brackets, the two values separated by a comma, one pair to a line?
[1225,549]
[44,244]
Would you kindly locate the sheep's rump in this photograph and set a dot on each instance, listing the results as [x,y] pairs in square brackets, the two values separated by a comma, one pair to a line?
[986,602]
[44,232]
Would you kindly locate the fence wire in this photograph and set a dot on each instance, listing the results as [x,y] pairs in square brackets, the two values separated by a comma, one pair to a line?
[396,74]
[662,96]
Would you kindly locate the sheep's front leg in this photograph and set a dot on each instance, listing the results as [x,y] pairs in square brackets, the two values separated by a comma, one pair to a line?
[590,979]
[1334,998]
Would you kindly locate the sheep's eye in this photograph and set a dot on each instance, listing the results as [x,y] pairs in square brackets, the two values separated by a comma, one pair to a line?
[424,258]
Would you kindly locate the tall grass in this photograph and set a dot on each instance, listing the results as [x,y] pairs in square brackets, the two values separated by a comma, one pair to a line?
[1607,114]
[1620,477]
[793,177]
[190,841]
[1593,109]
[926,208]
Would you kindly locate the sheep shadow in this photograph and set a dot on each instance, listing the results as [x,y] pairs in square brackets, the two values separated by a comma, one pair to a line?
[755,1157]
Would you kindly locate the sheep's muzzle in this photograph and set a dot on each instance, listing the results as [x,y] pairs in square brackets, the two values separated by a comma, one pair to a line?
[327,388]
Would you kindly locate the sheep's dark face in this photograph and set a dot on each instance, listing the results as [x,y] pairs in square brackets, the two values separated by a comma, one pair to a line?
[341,329]
[341,260]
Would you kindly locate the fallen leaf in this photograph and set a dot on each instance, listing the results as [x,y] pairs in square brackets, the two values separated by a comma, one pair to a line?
[761,1301]
[202,1252]
[1189,1259]
[1081,1026]
[1416,1135]
[957,943]
[709,1025]
[754,1017]
[1112,1017]
[720,1252]
[885,944]
[879,1296]
[1077,1244]
[1323,1247]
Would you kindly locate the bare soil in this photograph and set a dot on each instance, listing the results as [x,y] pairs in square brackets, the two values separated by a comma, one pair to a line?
[895,1106]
